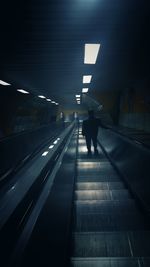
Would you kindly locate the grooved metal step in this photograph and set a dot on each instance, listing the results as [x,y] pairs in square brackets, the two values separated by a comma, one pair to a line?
[99,185]
[111,244]
[101,194]
[109,222]
[105,206]
[110,262]
[97,178]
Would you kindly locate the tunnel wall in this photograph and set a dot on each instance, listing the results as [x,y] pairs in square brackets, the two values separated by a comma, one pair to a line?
[20,112]
[133,162]
[135,108]
[14,149]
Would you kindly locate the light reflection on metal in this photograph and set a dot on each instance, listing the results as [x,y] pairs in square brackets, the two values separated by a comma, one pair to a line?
[45,153]
[51,146]
[88,165]
[41,96]
[82,149]
[82,141]
[22,91]
[4,83]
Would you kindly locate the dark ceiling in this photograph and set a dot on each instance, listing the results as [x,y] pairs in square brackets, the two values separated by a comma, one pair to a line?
[42,45]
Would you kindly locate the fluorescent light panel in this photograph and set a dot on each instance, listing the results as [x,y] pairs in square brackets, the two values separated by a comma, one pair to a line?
[91,53]
[85,90]
[22,91]
[4,83]
[87,78]
[78,95]
[48,99]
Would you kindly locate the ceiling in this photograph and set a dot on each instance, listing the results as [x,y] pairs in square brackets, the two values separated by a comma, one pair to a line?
[42,45]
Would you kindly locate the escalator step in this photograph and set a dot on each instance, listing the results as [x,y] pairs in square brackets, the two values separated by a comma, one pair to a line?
[109,222]
[106,262]
[99,185]
[101,245]
[101,194]
[111,244]
[105,206]
[97,178]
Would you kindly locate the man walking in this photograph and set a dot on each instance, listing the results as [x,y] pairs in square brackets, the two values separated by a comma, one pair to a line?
[90,131]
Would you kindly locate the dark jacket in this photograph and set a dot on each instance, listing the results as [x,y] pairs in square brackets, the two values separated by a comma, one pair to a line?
[90,127]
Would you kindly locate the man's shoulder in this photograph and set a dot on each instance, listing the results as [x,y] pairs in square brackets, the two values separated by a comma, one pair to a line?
[85,121]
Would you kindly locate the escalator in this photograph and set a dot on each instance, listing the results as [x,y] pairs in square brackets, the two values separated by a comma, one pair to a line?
[83,215]
[109,229]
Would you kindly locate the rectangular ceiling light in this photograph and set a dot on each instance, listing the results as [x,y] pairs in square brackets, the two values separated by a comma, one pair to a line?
[85,90]
[4,83]
[91,53]
[78,95]
[78,99]
[48,99]
[87,78]
[22,91]
[41,96]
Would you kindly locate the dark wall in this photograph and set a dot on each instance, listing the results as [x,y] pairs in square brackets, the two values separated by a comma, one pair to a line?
[20,112]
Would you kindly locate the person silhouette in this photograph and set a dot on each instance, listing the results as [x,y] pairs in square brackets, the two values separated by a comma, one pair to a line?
[90,130]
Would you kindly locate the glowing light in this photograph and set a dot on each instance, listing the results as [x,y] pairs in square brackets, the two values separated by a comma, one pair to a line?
[85,90]
[55,142]
[91,53]
[87,78]
[4,83]
[78,95]
[48,99]
[45,153]
[22,91]
[41,96]
[51,146]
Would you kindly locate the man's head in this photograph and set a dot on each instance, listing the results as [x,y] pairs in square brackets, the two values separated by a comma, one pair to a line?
[91,114]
